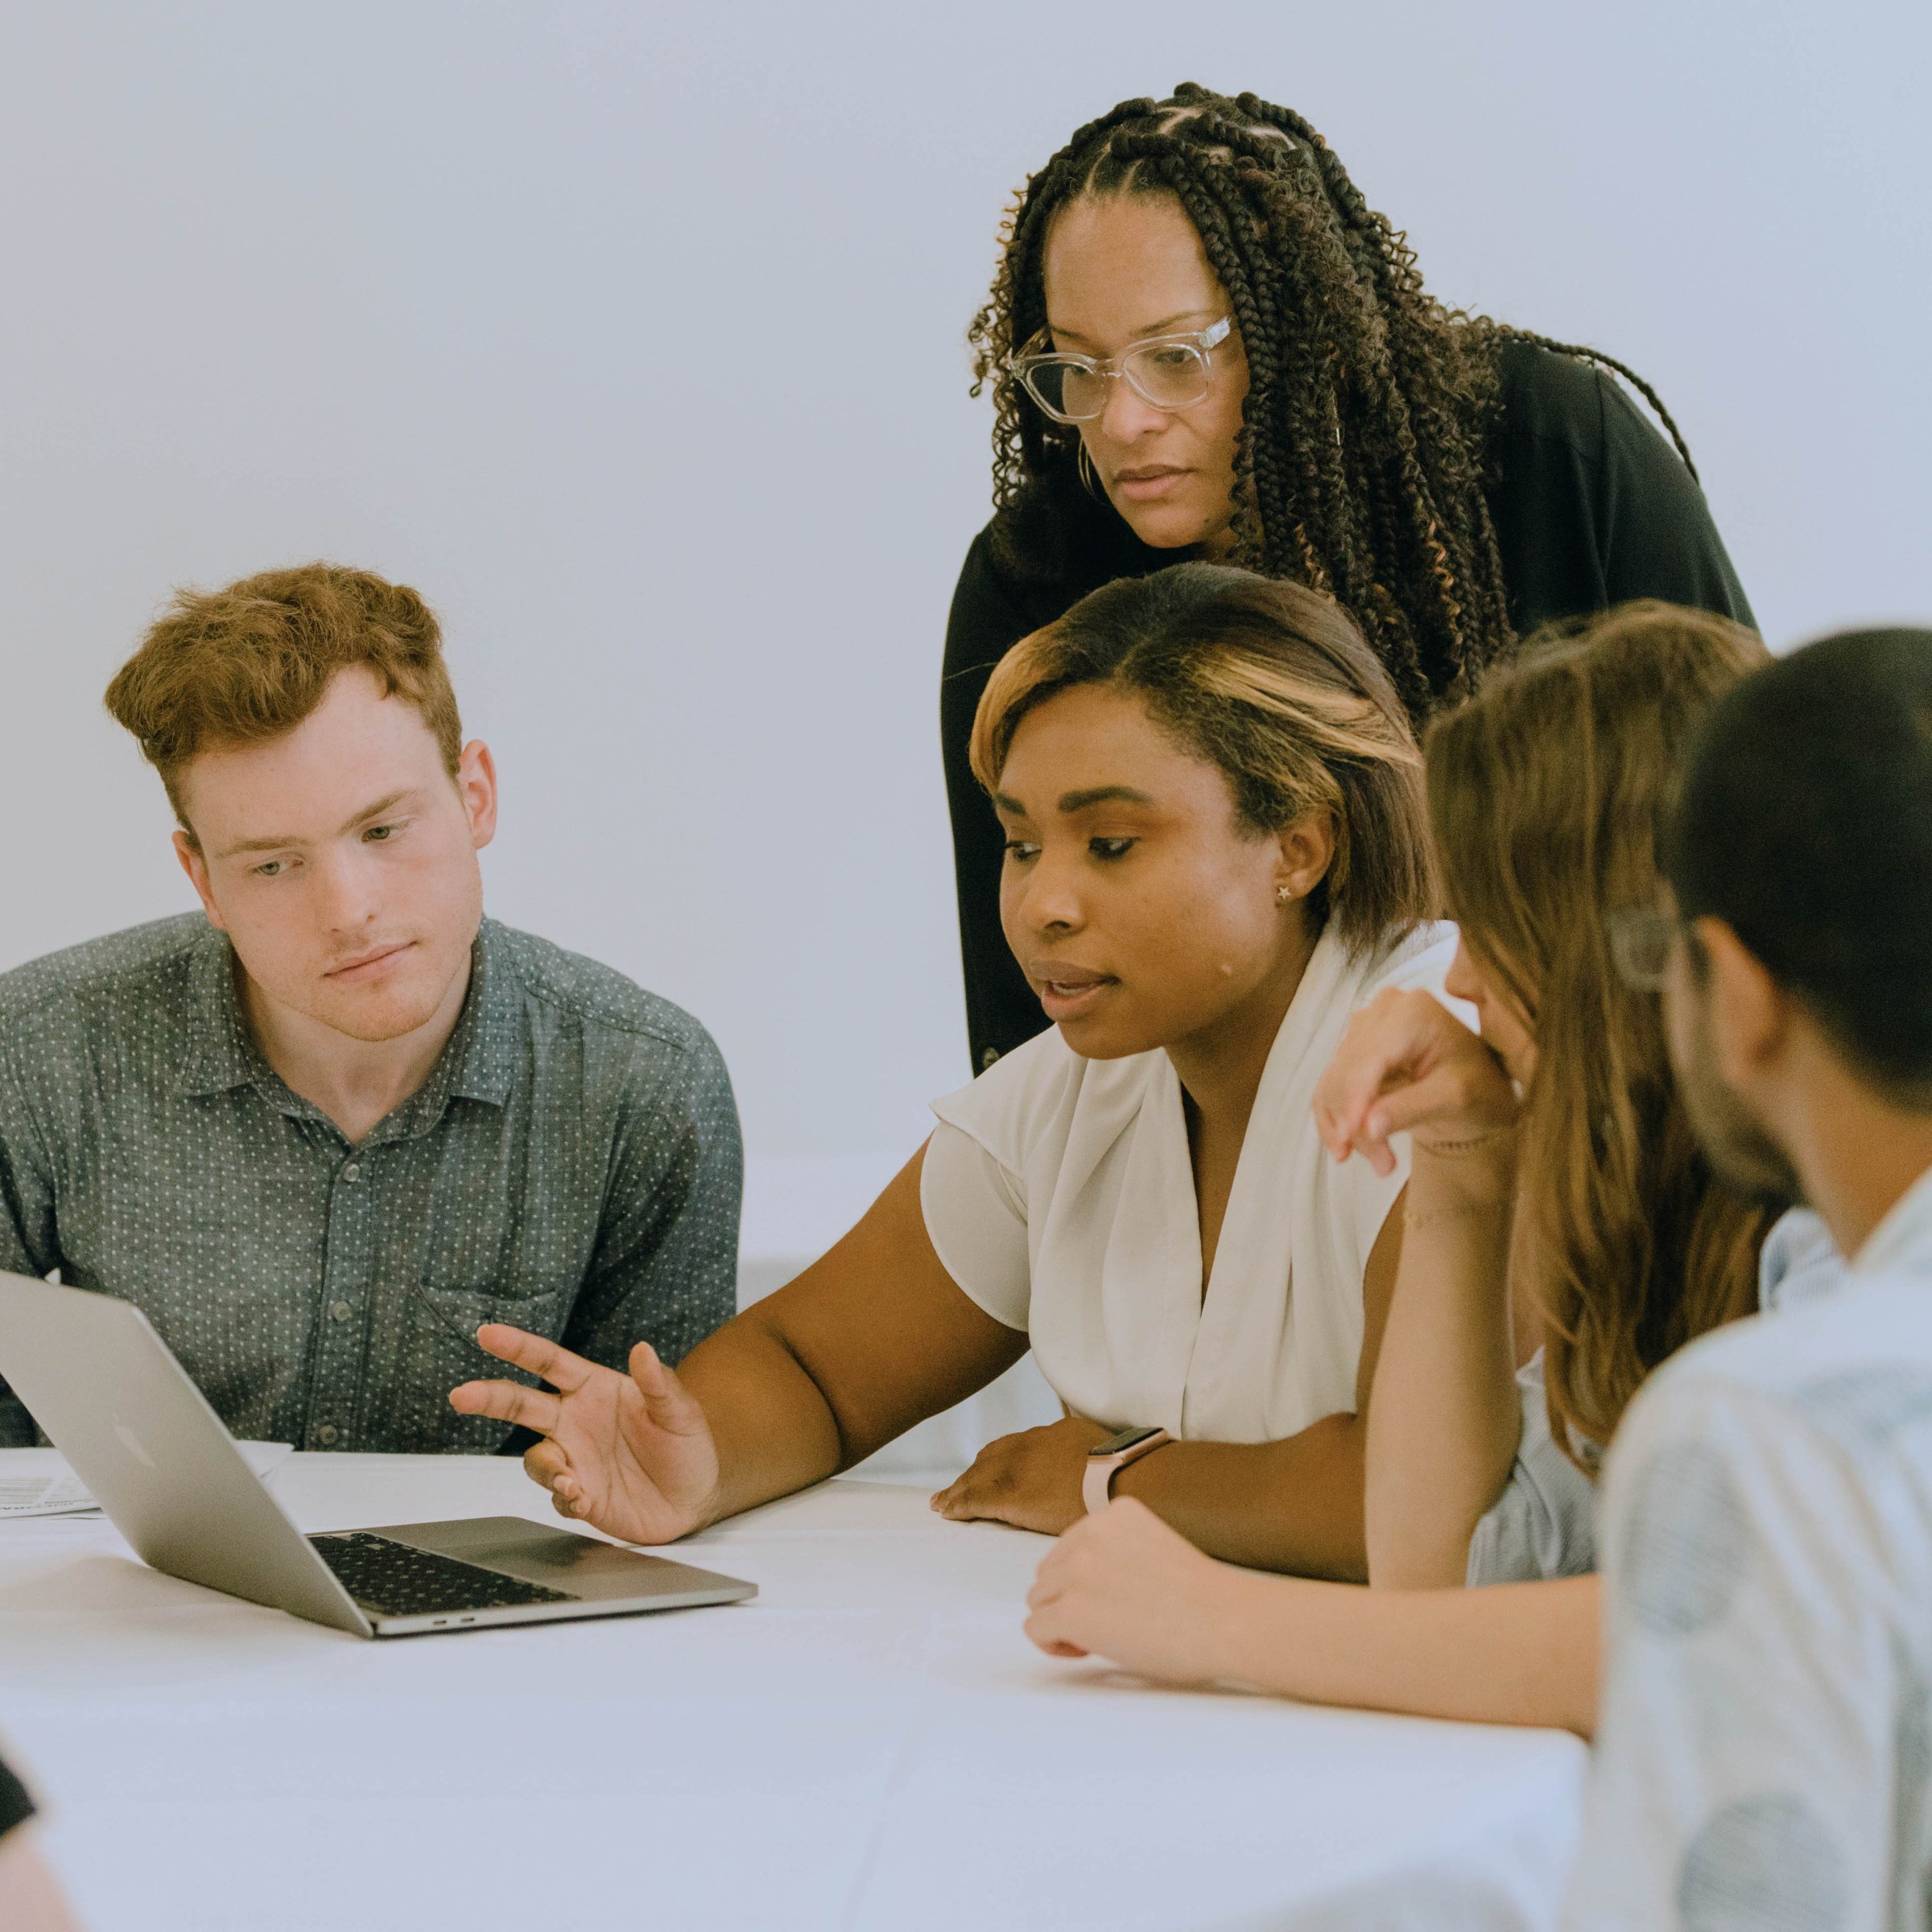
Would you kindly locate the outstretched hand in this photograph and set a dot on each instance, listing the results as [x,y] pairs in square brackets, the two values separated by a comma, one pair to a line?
[1407,1064]
[631,1455]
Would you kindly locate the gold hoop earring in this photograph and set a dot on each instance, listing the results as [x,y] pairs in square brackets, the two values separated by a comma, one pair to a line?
[1089,477]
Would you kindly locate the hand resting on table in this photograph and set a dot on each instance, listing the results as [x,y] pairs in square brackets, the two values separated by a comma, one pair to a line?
[1031,1479]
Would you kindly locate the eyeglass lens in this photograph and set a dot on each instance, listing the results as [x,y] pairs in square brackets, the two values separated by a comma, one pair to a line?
[1170,375]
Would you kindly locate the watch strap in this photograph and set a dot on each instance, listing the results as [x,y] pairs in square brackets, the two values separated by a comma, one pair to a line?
[1096,1483]
[1096,1479]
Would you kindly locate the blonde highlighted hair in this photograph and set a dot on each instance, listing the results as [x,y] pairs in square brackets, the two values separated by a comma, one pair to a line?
[1273,683]
[1547,792]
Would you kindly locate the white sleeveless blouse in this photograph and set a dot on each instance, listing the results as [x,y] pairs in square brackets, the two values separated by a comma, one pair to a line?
[1059,1194]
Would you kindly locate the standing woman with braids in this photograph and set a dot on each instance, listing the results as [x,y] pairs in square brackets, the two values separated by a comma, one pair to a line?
[1203,342]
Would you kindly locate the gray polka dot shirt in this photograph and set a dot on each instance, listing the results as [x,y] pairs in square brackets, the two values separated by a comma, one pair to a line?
[572,1165]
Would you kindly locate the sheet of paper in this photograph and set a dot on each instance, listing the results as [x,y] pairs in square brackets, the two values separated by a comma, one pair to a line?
[42,1496]
[62,1493]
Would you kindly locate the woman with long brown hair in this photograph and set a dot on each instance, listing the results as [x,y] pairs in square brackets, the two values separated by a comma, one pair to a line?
[1557,1198]
[1561,1201]
[1201,341]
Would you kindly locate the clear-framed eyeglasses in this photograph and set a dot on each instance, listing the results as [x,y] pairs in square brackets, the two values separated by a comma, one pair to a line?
[1640,944]
[1171,372]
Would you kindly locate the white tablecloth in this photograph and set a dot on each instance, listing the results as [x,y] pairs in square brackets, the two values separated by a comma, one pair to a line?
[872,1744]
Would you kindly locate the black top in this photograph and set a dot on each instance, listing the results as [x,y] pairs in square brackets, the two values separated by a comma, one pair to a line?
[16,1807]
[1591,506]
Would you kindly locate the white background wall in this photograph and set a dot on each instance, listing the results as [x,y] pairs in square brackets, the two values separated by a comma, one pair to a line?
[632,335]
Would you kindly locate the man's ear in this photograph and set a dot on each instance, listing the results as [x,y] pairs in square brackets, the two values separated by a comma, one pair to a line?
[1750,1014]
[1308,850]
[476,787]
[194,864]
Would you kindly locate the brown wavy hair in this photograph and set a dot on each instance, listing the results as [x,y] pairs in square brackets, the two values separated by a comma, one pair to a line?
[249,662]
[1547,793]
[1273,684]
[1364,462]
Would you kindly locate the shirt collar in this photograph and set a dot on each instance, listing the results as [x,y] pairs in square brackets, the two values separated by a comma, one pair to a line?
[218,1054]
[1904,1237]
[478,1063]
[482,1054]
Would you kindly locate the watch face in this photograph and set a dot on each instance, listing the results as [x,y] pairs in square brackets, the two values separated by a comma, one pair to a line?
[1126,1440]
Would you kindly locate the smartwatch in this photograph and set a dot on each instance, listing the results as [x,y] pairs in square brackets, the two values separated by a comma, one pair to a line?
[1117,1452]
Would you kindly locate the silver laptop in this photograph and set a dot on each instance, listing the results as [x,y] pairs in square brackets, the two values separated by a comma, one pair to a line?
[141,1436]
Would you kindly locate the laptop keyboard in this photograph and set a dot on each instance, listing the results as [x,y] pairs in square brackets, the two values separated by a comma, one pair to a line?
[394,1580]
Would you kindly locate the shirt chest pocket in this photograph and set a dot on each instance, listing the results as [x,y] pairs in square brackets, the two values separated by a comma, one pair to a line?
[495,1250]
[484,1272]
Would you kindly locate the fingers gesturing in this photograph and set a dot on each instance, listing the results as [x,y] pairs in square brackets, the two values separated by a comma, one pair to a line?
[631,1454]
[510,1401]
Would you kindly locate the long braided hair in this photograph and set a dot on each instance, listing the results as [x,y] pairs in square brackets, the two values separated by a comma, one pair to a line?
[1363,462]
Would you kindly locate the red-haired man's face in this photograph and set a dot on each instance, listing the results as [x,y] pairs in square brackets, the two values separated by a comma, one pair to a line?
[340,859]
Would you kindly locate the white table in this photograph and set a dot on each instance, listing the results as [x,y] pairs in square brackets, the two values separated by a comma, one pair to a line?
[872,1744]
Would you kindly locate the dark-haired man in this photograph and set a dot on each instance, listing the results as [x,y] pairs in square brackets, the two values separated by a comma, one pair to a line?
[1765,1753]
[324,1128]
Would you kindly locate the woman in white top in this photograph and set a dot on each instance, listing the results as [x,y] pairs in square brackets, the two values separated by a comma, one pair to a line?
[1558,1204]
[1215,853]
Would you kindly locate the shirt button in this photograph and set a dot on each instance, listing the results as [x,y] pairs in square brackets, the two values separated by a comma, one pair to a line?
[350,1172]
[326,1433]
[338,1312]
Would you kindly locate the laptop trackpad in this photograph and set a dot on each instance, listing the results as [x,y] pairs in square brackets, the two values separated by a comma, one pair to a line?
[559,1559]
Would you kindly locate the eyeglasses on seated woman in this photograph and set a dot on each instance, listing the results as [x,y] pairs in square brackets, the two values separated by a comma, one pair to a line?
[1559,1207]
[1214,853]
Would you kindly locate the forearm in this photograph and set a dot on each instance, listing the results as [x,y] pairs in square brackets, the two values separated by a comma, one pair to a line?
[1294,1505]
[869,1340]
[1443,1416]
[774,1430]
[1517,1654]
[792,1398]
[873,1338]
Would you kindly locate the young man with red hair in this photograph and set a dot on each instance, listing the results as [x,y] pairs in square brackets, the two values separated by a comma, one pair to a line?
[322,1129]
